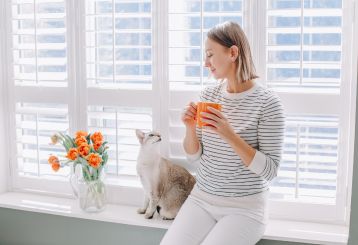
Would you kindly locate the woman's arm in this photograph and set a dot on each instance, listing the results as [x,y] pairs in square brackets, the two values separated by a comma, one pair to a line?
[270,133]
[191,142]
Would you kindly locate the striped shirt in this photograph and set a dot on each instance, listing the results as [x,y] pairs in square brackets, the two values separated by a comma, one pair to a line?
[257,116]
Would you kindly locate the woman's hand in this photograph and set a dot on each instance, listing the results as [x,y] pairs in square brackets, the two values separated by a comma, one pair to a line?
[188,116]
[218,123]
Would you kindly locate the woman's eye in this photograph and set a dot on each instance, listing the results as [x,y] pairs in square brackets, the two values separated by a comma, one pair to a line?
[151,135]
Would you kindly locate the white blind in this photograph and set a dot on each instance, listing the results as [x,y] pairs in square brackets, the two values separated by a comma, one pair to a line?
[39,42]
[119,43]
[35,124]
[308,170]
[303,54]
[119,54]
[39,55]
[304,44]
[189,21]
[118,126]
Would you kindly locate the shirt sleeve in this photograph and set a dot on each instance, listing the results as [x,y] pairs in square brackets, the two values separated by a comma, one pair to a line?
[271,129]
[196,156]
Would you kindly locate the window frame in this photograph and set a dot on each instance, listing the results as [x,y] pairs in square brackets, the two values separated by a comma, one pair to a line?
[77,105]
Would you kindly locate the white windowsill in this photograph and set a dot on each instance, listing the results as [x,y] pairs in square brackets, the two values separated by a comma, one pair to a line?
[305,232]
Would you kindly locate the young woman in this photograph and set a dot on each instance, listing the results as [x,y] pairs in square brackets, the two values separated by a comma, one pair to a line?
[239,152]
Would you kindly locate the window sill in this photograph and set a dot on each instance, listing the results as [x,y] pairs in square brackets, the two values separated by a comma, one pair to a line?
[282,230]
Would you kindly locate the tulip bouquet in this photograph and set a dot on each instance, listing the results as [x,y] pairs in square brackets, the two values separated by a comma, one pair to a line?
[90,152]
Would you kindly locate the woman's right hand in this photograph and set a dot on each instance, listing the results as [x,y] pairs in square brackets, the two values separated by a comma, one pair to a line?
[189,115]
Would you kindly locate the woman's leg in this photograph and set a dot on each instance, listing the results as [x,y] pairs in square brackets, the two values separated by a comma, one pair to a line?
[190,226]
[235,229]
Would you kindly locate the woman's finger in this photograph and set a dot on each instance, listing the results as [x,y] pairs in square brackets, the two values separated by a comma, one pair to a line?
[209,121]
[192,104]
[189,113]
[216,112]
[210,115]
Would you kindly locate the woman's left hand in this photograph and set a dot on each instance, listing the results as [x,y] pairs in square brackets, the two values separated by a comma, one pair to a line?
[218,123]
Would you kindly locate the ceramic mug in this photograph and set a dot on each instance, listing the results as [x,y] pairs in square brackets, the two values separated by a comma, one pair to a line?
[203,107]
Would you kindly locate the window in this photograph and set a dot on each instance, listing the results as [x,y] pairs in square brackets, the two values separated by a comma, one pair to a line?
[119,65]
[299,53]
[119,75]
[304,59]
[39,79]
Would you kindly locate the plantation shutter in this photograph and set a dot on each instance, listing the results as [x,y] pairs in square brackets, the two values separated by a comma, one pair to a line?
[303,61]
[40,81]
[119,76]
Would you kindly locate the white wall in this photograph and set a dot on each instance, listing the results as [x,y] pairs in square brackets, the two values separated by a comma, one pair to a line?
[3,140]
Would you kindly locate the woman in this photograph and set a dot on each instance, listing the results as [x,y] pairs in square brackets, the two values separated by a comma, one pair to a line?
[239,152]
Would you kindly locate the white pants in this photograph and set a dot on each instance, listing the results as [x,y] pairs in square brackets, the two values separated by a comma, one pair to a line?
[199,223]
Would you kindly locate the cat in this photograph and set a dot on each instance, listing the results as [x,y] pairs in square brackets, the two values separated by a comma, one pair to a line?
[166,185]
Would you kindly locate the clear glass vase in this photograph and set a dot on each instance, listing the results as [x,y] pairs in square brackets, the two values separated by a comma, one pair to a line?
[90,193]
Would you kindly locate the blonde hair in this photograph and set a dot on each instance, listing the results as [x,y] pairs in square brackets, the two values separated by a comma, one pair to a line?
[228,34]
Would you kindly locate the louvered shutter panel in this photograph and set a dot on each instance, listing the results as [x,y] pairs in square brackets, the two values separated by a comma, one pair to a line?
[303,56]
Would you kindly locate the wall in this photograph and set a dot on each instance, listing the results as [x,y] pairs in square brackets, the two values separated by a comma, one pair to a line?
[3,143]
[27,228]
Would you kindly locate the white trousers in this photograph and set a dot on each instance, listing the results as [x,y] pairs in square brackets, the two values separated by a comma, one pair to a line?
[199,223]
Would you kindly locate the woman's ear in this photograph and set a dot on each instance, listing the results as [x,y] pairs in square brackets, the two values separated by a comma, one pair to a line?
[234,52]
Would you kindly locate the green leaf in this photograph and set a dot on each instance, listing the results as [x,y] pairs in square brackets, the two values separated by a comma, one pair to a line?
[70,141]
[88,138]
[95,174]
[64,141]
[105,158]
[100,150]
[85,170]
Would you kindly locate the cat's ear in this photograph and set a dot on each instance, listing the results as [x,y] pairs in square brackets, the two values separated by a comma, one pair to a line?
[140,135]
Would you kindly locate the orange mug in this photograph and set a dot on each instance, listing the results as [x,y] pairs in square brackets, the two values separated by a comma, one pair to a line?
[203,107]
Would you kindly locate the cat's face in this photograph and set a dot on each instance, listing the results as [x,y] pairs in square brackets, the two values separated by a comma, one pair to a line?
[148,138]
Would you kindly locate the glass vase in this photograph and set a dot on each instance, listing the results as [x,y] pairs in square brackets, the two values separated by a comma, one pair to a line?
[90,193]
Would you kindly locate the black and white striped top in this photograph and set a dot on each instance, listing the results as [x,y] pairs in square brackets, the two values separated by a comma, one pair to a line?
[257,116]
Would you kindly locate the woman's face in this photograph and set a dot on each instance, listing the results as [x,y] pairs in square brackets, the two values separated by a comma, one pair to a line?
[218,59]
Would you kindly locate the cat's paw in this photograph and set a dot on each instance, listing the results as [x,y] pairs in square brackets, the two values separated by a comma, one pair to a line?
[141,210]
[148,216]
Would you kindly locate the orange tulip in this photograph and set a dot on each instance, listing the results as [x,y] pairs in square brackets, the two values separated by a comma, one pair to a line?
[55,166]
[53,159]
[80,140]
[54,139]
[84,149]
[97,137]
[97,145]
[94,160]
[72,154]
[81,133]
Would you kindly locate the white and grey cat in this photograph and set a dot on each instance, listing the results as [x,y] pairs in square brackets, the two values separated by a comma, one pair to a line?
[166,185]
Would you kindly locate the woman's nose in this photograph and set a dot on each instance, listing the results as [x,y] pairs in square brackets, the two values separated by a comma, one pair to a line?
[206,63]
